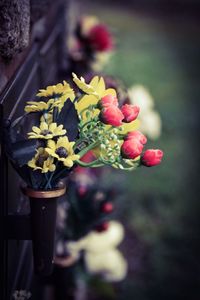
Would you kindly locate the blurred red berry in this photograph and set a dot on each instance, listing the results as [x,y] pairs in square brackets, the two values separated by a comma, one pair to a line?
[82,190]
[107,207]
[102,227]
[100,38]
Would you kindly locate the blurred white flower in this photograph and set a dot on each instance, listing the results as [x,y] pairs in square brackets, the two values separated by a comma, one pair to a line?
[140,96]
[98,242]
[110,264]
[151,124]
[100,253]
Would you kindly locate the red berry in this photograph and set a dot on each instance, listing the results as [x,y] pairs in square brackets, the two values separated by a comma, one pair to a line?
[102,227]
[82,190]
[107,207]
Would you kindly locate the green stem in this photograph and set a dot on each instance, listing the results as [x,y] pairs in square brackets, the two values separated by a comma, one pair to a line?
[86,108]
[78,142]
[93,164]
[86,124]
[90,147]
[48,184]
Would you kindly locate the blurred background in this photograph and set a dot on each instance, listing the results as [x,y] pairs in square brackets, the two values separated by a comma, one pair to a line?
[156,56]
[157,46]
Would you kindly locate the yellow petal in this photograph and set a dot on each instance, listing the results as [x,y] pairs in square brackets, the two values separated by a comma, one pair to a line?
[94,82]
[68,162]
[128,127]
[86,101]
[74,157]
[43,126]
[35,129]
[52,127]
[109,92]
[101,87]
[51,144]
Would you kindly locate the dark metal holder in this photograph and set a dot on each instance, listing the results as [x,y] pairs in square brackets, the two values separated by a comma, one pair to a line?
[43,225]
[40,67]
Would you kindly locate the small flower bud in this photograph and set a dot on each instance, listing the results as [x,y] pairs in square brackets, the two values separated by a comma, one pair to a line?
[131,149]
[130,112]
[111,115]
[136,135]
[108,100]
[152,157]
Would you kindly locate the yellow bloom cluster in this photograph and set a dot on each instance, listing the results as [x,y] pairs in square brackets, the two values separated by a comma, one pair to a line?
[58,94]
[46,131]
[42,161]
[62,150]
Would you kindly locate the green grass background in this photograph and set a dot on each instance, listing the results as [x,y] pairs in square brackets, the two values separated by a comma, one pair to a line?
[161,205]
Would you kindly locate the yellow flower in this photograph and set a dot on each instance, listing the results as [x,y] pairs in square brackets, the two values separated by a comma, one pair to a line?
[42,161]
[95,90]
[60,92]
[33,106]
[62,150]
[57,90]
[46,131]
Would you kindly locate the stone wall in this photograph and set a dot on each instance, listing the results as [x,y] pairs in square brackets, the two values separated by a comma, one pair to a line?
[21,21]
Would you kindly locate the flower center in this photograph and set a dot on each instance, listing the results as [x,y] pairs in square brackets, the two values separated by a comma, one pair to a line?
[57,95]
[40,161]
[45,132]
[62,152]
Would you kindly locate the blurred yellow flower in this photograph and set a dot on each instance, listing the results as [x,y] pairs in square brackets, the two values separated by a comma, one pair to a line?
[46,131]
[87,23]
[62,150]
[42,161]
[101,58]
[33,106]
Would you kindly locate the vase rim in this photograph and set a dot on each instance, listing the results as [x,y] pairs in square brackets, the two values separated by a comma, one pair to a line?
[57,192]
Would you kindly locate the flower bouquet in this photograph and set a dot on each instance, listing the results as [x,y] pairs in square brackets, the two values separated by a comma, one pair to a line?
[91,45]
[53,135]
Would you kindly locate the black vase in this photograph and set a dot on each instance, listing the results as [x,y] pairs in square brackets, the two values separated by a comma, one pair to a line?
[43,209]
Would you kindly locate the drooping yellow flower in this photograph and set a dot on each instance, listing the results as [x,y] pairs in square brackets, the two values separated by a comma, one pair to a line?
[95,90]
[42,161]
[62,150]
[46,131]
[33,106]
